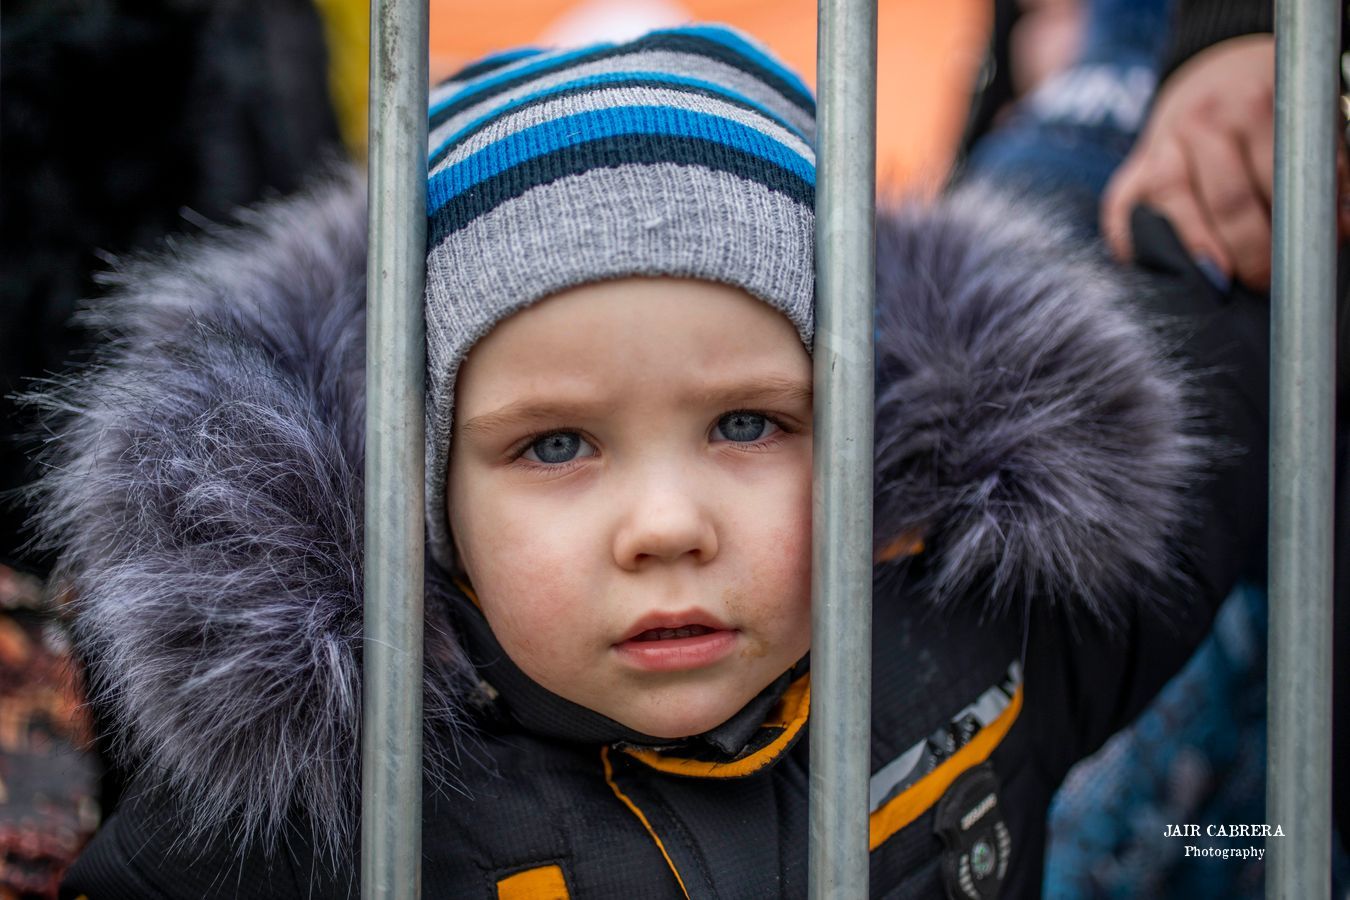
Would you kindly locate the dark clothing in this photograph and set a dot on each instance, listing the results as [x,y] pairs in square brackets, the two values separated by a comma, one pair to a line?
[1160,252]
[1200,24]
[1023,417]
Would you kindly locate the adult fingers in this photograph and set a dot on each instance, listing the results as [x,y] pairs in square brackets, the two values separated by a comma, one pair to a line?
[1118,201]
[1231,202]
[1169,188]
[1252,120]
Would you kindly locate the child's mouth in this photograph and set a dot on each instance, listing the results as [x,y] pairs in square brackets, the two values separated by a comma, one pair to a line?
[674,646]
[666,634]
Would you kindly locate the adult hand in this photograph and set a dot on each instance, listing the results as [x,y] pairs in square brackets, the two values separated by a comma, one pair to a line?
[1206,162]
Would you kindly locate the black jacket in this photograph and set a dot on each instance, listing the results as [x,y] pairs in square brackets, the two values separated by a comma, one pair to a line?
[1080,527]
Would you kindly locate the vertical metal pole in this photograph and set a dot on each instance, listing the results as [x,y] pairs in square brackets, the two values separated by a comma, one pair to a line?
[1307,41]
[841,558]
[391,743]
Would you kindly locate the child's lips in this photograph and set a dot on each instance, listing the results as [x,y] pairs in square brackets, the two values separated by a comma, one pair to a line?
[665,634]
[672,654]
[666,642]
[657,626]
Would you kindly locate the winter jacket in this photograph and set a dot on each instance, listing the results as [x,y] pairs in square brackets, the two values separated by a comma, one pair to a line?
[1083,497]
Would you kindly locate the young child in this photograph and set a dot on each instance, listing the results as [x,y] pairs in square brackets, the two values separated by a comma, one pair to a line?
[619,316]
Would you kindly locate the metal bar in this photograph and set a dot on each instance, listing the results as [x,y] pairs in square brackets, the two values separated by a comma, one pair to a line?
[1298,793]
[391,728]
[841,557]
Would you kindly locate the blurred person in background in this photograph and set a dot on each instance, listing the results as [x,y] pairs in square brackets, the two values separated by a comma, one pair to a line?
[1182,181]
[122,123]
[1063,93]
[1205,164]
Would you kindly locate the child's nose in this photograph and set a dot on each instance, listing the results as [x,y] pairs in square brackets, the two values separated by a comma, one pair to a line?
[666,524]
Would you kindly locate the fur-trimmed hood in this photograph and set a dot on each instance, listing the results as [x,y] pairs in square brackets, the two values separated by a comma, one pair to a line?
[205,493]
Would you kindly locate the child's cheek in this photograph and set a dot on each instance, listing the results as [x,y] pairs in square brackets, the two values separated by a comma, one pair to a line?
[778,598]
[530,592]
[794,564]
[792,529]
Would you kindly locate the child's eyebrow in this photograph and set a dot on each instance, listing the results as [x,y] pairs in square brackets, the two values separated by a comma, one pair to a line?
[772,391]
[527,411]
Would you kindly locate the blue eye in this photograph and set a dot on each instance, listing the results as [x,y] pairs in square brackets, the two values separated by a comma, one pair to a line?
[557,448]
[742,427]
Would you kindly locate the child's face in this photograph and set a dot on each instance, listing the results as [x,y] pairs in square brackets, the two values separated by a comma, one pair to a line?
[630,495]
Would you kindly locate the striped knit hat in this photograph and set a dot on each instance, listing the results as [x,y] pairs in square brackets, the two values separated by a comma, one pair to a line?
[686,153]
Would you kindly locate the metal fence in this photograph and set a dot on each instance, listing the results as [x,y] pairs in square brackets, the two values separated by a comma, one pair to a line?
[1303,302]
[1301,513]
[391,727]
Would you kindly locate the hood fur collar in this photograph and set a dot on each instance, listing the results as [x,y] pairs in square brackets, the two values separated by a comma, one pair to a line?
[205,492]
[1029,425]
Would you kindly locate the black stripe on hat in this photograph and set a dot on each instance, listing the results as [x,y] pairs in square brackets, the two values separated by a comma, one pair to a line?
[489,64]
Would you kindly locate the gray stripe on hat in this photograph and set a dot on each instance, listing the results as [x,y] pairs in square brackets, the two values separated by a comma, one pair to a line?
[609,98]
[663,219]
[685,65]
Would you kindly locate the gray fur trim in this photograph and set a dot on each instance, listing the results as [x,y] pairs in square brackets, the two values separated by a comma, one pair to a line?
[1029,424]
[205,491]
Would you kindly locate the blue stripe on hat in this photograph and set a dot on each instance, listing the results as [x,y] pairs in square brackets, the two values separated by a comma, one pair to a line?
[647,121]
[647,78]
